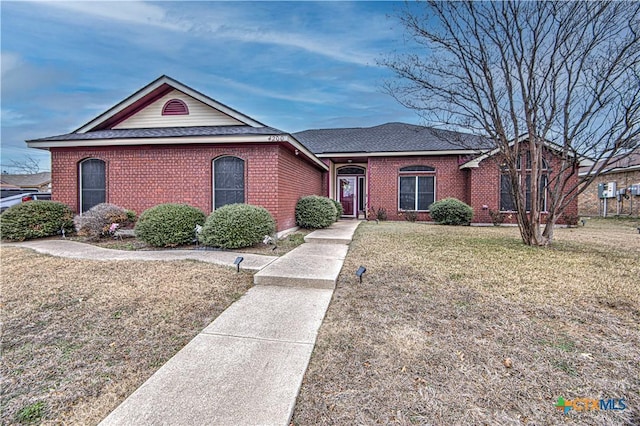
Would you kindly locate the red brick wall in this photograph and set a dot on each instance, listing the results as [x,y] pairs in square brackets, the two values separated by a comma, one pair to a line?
[485,191]
[140,177]
[383,181]
[296,178]
[477,187]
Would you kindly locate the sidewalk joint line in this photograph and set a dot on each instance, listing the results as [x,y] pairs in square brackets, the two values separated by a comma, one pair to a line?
[257,338]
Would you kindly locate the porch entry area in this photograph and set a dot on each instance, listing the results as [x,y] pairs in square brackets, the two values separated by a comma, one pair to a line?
[351,190]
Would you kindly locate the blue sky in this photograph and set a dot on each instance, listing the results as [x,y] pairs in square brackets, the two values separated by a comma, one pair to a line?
[291,65]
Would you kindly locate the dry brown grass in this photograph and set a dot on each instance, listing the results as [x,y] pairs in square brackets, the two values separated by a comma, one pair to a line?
[80,336]
[424,339]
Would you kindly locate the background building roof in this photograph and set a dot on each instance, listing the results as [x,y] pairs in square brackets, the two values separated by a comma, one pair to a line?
[33,180]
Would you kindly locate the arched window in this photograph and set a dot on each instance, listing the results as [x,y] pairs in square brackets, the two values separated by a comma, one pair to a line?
[175,107]
[351,170]
[228,181]
[507,200]
[93,182]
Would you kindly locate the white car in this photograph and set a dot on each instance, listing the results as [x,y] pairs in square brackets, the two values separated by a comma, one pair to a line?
[7,202]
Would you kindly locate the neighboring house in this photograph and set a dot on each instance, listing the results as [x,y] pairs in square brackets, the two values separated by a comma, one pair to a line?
[36,182]
[29,182]
[170,143]
[624,172]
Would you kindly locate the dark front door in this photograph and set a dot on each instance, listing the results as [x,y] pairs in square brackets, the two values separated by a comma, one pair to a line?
[348,197]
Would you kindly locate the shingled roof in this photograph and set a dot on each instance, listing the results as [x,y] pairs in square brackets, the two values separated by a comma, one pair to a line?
[33,180]
[164,132]
[390,137]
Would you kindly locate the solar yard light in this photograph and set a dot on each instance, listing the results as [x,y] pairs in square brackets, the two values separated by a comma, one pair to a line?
[238,261]
[361,270]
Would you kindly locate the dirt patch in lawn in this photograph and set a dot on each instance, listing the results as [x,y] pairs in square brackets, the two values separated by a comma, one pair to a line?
[79,336]
[465,325]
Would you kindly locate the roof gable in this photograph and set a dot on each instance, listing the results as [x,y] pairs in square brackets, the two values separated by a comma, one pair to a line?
[199,114]
[475,162]
[138,104]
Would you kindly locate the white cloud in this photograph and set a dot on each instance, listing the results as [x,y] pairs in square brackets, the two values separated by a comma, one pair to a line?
[133,12]
[10,62]
[208,22]
[11,118]
[312,43]
[307,96]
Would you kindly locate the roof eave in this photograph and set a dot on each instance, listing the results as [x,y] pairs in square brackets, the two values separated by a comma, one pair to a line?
[613,170]
[180,140]
[394,153]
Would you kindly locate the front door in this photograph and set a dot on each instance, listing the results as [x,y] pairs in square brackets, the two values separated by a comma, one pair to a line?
[348,197]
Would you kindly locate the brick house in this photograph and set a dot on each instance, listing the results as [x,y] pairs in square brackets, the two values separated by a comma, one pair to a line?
[625,173]
[170,143]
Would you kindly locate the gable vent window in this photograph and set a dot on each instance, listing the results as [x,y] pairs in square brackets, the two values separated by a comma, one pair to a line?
[175,107]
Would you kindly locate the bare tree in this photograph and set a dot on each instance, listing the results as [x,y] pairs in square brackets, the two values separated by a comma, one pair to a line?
[530,76]
[27,165]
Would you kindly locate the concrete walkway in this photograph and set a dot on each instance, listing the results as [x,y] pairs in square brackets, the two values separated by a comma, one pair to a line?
[247,366]
[75,250]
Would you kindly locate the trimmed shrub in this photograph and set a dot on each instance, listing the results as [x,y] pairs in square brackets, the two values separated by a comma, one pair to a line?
[169,225]
[451,211]
[96,221]
[339,209]
[236,226]
[315,212]
[35,219]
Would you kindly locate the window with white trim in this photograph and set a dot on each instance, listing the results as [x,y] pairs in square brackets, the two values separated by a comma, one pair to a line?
[228,181]
[92,183]
[416,190]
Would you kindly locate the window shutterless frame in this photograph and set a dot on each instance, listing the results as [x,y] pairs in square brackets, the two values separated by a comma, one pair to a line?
[416,188]
[92,183]
[228,181]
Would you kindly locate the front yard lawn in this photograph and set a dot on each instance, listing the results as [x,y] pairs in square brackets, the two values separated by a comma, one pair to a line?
[465,325]
[79,336]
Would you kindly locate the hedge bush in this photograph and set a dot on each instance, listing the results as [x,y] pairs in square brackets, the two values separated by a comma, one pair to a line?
[451,211]
[236,226]
[315,212]
[35,219]
[339,209]
[96,221]
[169,225]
